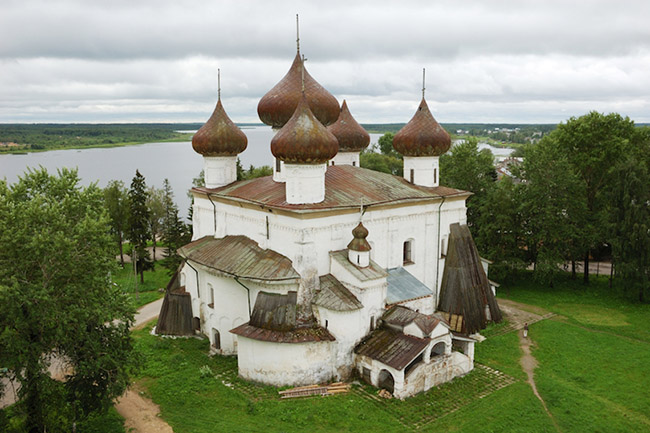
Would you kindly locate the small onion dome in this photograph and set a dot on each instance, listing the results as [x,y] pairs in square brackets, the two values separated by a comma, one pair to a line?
[278,105]
[219,136]
[359,243]
[303,139]
[422,136]
[352,137]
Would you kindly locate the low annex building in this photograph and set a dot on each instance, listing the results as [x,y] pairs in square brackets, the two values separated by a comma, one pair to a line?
[325,270]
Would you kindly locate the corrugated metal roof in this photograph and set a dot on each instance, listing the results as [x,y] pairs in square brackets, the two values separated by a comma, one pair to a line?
[241,257]
[402,316]
[371,272]
[402,286]
[274,319]
[334,296]
[346,186]
[392,348]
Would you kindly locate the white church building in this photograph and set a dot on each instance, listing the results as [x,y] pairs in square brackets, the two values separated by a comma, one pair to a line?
[325,270]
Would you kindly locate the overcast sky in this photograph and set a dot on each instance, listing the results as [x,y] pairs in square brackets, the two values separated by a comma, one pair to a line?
[517,61]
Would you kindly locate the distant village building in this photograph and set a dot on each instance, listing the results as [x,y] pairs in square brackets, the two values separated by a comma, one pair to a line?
[326,270]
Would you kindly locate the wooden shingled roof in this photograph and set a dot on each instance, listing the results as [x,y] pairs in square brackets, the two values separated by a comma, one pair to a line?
[175,316]
[465,289]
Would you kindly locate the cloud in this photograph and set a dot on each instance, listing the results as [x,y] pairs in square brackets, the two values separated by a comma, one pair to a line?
[123,60]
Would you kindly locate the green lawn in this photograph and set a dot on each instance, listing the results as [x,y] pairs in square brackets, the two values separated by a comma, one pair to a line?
[592,374]
[149,291]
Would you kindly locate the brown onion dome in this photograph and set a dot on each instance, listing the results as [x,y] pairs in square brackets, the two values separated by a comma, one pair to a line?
[278,105]
[219,136]
[422,136]
[303,139]
[352,137]
[359,243]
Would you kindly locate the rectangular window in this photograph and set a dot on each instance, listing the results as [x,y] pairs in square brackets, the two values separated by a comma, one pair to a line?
[435,176]
[333,162]
[412,176]
[354,163]
[278,165]
[407,256]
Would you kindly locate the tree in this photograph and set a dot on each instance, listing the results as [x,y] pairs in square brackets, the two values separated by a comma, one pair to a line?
[116,202]
[554,208]
[174,232]
[139,232]
[57,301]
[385,144]
[156,207]
[379,162]
[630,223]
[593,144]
[469,169]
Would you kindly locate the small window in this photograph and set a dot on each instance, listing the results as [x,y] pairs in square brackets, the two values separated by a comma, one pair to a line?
[326,323]
[278,165]
[435,176]
[333,163]
[354,163]
[211,297]
[408,253]
[372,323]
[412,176]
[443,251]
[358,259]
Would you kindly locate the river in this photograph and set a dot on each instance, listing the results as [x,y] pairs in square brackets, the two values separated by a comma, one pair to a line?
[175,161]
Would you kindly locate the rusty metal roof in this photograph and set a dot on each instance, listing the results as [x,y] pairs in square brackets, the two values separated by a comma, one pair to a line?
[241,257]
[392,348]
[277,106]
[345,187]
[335,296]
[219,136]
[303,139]
[274,319]
[402,316]
[403,286]
[371,272]
[351,136]
[422,136]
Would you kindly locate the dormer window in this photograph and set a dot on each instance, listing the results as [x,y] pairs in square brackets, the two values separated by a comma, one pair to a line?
[408,252]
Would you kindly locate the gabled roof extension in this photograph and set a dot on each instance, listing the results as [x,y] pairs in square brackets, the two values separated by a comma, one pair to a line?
[240,257]
[403,286]
[335,296]
[371,272]
[402,316]
[274,320]
[392,348]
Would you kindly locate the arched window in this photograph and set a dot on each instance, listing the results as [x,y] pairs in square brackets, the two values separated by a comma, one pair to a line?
[216,339]
[438,349]
[211,294]
[407,255]
[386,381]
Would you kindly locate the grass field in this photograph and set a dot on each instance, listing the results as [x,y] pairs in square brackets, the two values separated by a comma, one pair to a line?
[593,364]
[149,291]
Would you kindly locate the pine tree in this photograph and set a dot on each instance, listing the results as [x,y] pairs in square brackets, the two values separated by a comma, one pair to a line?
[175,233]
[117,205]
[139,232]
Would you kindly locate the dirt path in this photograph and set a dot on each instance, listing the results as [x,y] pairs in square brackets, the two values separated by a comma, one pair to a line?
[528,364]
[141,414]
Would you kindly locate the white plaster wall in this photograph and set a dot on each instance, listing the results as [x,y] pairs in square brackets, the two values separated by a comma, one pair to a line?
[285,364]
[305,183]
[346,158]
[348,327]
[388,229]
[219,170]
[426,171]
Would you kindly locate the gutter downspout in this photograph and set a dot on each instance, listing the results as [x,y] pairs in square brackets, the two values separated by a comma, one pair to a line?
[198,291]
[214,216]
[435,307]
[248,296]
